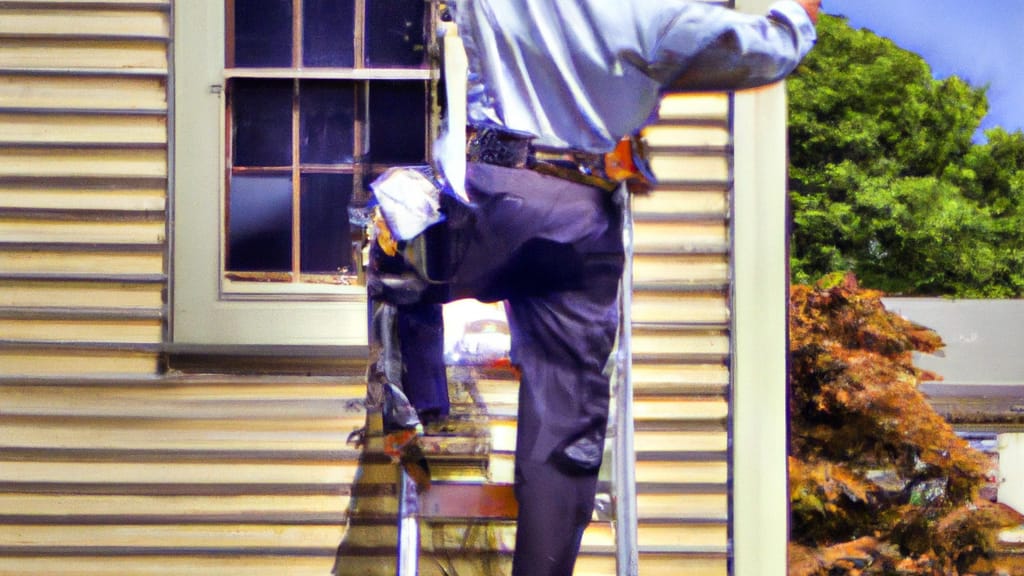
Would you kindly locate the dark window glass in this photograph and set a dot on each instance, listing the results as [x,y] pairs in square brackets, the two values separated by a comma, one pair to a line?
[260,224]
[328,32]
[262,122]
[263,33]
[327,114]
[398,122]
[395,33]
[326,237]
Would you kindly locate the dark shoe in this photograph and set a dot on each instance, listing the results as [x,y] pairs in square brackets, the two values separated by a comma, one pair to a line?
[404,448]
[402,432]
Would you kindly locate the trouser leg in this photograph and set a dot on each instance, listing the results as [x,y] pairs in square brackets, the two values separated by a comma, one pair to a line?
[561,344]
[421,338]
[560,249]
[417,338]
[554,509]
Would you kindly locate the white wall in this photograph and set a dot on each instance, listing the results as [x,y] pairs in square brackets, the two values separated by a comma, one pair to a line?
[1011,470]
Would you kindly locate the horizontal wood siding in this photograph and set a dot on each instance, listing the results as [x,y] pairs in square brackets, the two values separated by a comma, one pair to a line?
[188,475]
[83,186]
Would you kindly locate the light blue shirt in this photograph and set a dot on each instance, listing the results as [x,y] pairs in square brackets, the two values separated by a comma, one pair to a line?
[581,74]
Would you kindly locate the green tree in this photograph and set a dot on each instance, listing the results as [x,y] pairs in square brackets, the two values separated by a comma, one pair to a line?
[992,175]
[885,180]
[879,483]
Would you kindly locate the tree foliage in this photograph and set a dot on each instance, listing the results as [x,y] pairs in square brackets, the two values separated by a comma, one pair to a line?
[885,179]
[879,482]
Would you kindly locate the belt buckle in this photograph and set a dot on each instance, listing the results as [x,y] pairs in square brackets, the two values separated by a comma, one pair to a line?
[492,146]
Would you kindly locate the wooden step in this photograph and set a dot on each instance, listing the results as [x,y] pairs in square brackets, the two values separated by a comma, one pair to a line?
[468,500]
[657,564]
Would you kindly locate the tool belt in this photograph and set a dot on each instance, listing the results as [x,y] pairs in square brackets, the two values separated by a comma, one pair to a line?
[488,145]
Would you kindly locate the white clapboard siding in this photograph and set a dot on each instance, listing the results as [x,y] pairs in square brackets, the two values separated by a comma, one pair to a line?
[681,345]
[85,22]
[143,94]
[190,475]
[28,293]
[93,55]
[50,130]
[83,186]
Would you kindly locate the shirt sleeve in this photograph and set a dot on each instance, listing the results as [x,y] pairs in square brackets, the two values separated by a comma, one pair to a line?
[727,50]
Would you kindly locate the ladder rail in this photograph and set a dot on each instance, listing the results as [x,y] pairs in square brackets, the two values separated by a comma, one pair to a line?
[624,475]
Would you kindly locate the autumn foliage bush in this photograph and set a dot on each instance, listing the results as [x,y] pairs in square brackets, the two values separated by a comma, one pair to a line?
[879,482]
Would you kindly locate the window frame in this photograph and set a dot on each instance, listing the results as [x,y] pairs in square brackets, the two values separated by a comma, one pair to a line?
[296,283]
[206,311]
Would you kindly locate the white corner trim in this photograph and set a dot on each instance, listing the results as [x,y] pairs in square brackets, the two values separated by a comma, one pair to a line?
[760,503]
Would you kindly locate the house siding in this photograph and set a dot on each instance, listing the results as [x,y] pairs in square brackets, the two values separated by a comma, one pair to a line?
[83,186]
[681,342]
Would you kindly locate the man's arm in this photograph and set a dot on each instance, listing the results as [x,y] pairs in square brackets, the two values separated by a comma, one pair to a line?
[742,51]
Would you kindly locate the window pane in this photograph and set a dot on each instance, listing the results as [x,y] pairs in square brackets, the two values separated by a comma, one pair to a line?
[395,33]
[327,113]
[261,111]
[328,31]
[326,236]
[398,122]
[263,33]
[260,224]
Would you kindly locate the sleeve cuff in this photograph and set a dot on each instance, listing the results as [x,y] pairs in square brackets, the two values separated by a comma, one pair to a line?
[796,18]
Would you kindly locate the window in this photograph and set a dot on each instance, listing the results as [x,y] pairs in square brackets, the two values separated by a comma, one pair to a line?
[321,96]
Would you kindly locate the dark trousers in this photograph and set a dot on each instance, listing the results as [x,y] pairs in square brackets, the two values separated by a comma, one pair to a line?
[552,249]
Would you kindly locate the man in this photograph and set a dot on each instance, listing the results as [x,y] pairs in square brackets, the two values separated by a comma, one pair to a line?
[553,86]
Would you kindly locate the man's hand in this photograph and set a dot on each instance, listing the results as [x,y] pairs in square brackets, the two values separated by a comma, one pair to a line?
[812,7]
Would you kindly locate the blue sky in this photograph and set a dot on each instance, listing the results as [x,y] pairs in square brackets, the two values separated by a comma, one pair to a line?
[981,41]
